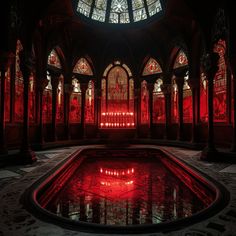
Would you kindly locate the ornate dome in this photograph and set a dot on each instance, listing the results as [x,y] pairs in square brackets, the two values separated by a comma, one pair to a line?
[118,11]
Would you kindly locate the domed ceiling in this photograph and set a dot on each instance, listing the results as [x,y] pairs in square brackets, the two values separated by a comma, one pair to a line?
[118,11]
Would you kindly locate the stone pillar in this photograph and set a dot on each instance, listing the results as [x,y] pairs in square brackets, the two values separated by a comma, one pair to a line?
[194,83]
[233,66]
[68,92]
[83,87]
[42,85]
[55,82]
[179,74]
[3,146]
[210,66]
[97,100]
[166,89]
[137,108]
[26,154]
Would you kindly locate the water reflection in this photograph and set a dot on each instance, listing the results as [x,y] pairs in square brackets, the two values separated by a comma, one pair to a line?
[129,191]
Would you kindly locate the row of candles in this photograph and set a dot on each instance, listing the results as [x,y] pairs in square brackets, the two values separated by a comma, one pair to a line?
[117,119]
[117,172]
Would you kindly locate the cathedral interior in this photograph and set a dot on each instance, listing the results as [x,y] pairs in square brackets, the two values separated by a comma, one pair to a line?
[84,84]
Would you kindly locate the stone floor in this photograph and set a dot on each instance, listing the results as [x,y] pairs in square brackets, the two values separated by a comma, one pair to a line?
[15,220]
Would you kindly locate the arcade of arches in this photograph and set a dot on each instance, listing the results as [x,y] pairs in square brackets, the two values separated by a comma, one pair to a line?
[167,79]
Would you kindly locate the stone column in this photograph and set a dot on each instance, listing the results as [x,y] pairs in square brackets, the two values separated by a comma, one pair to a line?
[5,61]
[26,154]
[97,100]
[210,66]
[194,83]
[137,108]
[55,82]
[42,85]
[68,92]
[233,66]
[179,74]
[83,87]
[166,89]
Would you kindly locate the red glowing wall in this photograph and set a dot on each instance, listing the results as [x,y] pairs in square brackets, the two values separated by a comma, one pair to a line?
[220,81]
[187,103]
[89,103]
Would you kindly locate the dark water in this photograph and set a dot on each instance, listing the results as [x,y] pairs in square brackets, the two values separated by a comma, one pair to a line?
[124,190]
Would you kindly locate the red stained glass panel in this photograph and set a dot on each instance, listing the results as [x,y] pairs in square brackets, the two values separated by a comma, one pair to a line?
[144,103]
[152,67]
[53,59]
[89,103]
[158,113]
[220,81]
[82,67]
[75,103]
[187,102]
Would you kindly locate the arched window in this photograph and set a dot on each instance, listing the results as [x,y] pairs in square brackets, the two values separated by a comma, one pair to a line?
[89,103]
[54,62]
[144,103]
[82,67]
[174,102]
[117,102]
[19,86]
[47,102]
[203,98]
[152,67]
[158,114]
[75,103]
[181,61]
[220,81]
[187,102]
[60,100]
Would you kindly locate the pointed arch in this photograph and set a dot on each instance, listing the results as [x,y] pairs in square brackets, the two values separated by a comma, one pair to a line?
[83,67]
[117,101]
[152,67]
[53,59]
[180,60]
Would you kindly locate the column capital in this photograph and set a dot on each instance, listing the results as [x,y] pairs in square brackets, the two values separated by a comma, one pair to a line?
[68,88]
[166,88]
[180,72]
[209,62]
[6,59]
[193,83]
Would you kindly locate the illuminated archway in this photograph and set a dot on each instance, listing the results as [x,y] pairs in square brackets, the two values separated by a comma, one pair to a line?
[117,102]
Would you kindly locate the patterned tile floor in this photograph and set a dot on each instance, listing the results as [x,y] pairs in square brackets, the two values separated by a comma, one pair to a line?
[15,220]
